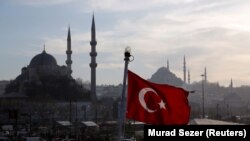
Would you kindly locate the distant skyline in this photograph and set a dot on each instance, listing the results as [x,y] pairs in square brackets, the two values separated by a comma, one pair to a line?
[210,33]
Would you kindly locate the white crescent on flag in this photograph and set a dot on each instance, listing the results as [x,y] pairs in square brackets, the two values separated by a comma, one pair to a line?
[141,96]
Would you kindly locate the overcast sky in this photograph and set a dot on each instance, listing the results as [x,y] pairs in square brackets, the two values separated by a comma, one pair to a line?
[211,33]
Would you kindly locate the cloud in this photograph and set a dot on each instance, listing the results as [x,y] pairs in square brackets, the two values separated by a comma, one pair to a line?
[122,6]
[169,5]
[40,2]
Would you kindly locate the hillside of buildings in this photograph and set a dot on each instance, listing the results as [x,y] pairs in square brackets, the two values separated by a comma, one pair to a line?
[218,100]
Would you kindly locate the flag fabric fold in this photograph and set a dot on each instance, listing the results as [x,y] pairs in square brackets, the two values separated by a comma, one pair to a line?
[156,104]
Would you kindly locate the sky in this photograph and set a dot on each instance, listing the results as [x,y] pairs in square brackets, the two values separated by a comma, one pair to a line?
[210,33]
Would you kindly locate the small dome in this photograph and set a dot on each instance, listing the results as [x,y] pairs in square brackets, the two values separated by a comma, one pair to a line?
[24,69]
[43,59]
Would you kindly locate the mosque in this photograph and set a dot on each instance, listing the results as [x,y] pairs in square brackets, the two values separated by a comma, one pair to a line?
[43,77]
[46,91]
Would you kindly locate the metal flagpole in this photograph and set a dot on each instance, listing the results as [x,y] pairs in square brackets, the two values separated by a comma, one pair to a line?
[123,107]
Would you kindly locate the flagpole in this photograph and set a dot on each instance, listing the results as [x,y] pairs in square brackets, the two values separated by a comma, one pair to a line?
[123,107]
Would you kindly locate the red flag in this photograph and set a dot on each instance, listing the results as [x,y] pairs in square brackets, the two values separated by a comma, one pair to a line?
[158,104]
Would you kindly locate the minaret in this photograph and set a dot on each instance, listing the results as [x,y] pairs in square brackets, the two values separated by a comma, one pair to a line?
[231,83]
[167,64]
[93,63]
[69,52]
[231,86]
[188,76]
[184,69]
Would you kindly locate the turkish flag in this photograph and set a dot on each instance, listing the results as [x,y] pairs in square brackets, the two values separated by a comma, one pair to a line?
[157,104]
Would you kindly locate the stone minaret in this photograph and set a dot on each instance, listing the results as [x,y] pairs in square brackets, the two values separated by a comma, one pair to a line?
[69,52]
[184,69]
[93,63]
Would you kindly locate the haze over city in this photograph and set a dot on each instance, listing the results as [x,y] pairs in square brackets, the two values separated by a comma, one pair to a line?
[210,33]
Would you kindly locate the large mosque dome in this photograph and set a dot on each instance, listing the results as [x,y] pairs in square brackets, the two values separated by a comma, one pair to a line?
[43,59]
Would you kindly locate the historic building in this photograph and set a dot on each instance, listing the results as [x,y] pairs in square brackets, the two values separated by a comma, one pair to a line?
[45,91]
[43,77]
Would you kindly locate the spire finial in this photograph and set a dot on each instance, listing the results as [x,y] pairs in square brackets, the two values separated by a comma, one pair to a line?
[69,36]
[93,22]
[93,29]
[44,47]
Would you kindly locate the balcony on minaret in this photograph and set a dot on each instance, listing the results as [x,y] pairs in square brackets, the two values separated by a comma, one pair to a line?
[68,62]
[93,65]
[68,52]
[93,54]
[93,43]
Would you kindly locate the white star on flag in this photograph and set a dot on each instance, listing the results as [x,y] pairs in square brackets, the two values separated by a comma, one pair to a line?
[162,105]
